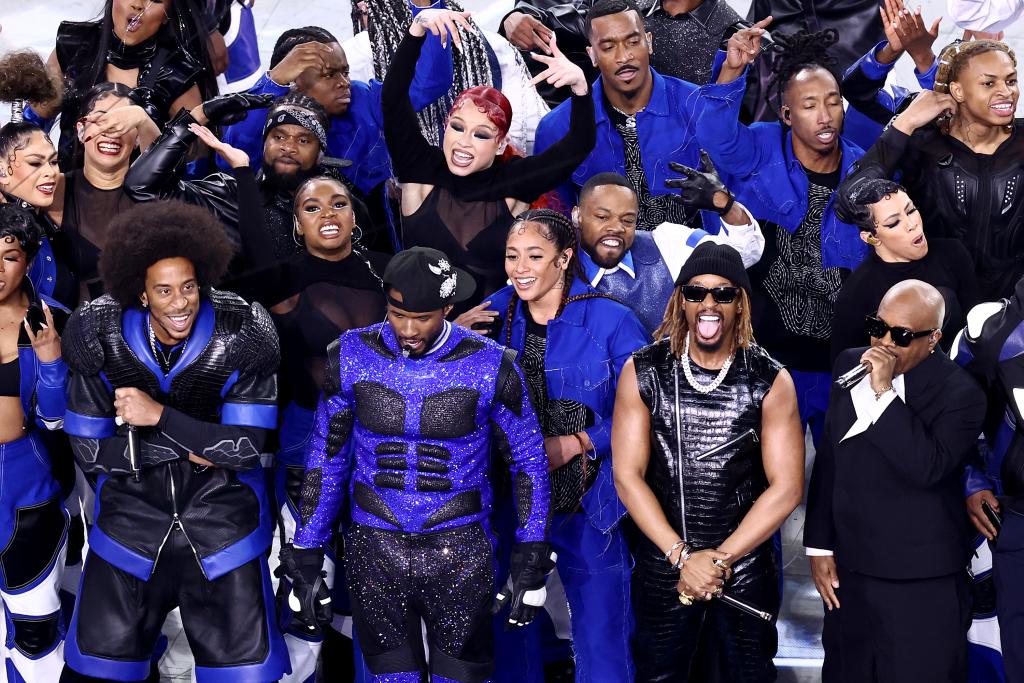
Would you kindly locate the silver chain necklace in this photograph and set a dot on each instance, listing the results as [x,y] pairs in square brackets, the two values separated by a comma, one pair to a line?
[688,371]
[158,353]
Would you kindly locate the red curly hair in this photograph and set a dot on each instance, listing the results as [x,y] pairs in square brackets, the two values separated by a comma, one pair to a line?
[488,101]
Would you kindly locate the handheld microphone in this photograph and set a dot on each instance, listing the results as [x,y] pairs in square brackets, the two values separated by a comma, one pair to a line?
[850,378]
[133,451]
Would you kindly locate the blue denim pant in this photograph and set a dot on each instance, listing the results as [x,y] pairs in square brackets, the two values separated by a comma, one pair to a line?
[595,570]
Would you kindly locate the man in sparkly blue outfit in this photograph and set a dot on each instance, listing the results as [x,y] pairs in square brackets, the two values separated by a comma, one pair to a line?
[410,411]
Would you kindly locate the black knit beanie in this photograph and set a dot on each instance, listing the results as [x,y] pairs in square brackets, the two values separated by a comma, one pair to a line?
[710,258]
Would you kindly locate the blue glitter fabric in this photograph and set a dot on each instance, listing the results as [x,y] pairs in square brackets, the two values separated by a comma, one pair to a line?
[419,439]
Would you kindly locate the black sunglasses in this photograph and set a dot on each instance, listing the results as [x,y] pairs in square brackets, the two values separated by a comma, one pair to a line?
[901,336]
[721,295]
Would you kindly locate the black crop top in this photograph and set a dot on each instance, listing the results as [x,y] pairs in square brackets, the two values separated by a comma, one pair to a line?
[10,379]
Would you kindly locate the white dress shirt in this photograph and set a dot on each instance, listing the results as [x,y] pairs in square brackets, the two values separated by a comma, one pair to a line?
[869,410]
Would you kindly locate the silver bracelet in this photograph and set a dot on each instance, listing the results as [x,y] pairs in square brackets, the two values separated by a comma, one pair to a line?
[683,556]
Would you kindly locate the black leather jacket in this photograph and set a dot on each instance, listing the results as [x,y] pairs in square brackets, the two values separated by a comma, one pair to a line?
[218,399]
[976,198]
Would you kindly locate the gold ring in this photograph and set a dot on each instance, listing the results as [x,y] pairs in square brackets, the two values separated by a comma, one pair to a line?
[718,592]
[687,600]
[720,564]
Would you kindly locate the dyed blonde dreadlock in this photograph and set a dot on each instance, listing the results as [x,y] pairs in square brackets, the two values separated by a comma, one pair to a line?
[675,327]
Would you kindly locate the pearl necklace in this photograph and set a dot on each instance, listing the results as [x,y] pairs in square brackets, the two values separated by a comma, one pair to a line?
[688,372]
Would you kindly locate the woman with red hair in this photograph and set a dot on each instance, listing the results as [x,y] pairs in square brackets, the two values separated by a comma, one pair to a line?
[462,198]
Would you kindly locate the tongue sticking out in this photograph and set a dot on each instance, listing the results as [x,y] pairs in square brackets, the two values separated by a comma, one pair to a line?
[708,328]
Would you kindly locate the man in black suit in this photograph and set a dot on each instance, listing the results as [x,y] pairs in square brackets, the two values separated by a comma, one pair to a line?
[885,515]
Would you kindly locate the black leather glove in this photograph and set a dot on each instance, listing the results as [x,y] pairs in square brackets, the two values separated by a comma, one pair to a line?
[227,109]
[303,591]
[531,564]
[697,189]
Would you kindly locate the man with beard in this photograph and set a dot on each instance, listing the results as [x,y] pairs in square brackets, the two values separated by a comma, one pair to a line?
[886,530]
[294,137]
[310,61]
[409,412]
[644,120]
[639,268]
[709,460]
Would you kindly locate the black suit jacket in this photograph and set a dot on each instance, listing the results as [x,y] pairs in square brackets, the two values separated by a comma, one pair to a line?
[889,502]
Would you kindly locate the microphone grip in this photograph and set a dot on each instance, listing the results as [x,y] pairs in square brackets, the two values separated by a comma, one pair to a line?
[850,378]
[133,451]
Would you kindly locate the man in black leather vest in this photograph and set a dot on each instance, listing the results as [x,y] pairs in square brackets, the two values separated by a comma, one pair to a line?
[886,530]
[171,394]
[708,459]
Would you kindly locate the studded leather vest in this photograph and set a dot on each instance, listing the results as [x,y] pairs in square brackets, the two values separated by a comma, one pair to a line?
[705,467]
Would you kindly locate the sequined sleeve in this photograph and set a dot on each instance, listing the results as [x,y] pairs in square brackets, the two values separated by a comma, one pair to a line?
[328,459]
[515,424]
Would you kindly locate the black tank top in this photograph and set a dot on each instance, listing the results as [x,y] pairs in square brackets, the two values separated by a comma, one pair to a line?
[10,379]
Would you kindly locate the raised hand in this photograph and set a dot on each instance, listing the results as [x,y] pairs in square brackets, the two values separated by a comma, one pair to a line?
[700,190]
[917,38]
[311,55]
[235,157]
[442,23]
[526,32]
[45,342]
[742,50]
[561,71]
[927,106]
[113,123]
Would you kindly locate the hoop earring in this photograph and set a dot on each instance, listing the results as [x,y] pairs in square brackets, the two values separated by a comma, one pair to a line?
[295,233]
[357,233]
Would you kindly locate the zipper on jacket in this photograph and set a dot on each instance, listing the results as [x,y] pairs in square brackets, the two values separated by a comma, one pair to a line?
[176,520]
[731,442]
[679,455]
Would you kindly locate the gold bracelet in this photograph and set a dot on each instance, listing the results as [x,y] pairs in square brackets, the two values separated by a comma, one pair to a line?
[883,392]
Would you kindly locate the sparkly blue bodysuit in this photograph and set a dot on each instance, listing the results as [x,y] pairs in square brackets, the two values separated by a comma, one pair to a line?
[410,441]
[415,434]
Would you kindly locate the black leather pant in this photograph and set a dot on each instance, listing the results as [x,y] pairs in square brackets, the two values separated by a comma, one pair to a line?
[707,642]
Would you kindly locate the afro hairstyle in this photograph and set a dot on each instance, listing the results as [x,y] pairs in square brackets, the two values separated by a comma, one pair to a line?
[154,231]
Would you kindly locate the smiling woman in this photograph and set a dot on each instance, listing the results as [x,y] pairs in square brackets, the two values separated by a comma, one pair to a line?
[461,199]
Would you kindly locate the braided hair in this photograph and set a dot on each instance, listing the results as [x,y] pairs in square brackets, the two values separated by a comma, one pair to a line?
[558,229]
[389,23]
[797,52]
[955,56]
[953,59]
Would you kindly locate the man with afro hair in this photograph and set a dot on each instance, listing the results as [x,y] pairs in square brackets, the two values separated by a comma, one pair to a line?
[171,394]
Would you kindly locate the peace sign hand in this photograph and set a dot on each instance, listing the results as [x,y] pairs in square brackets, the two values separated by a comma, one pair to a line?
[561,71]
[45,342]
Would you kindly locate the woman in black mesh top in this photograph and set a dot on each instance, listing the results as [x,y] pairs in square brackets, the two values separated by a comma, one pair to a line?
[462,198]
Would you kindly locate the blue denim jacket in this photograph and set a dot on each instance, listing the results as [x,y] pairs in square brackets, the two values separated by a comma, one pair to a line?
[859,127]
[587,345]
[757,163]
[666,128]
[356,135]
